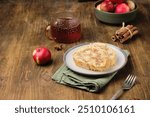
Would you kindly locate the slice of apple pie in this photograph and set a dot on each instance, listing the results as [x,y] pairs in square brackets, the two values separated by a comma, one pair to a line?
[95,56]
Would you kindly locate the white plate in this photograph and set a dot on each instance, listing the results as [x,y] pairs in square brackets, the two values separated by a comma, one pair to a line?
[121,61]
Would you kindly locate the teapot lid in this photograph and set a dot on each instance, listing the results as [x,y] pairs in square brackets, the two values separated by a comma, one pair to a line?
[67,22]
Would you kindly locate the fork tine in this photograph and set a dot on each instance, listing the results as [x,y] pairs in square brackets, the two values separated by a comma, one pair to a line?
[130,80]
[127,78]
[133,81]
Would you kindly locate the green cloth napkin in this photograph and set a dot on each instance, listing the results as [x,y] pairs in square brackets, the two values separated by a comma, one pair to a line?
[90,83]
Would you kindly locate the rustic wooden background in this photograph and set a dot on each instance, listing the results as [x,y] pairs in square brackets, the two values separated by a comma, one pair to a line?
[22,25]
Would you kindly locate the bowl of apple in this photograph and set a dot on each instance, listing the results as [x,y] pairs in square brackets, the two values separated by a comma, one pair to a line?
[115,11]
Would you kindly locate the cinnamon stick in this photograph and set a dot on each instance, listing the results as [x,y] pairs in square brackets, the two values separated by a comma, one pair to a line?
[128,33]
[128,37]
[114,38]
[123,30]
[125,33]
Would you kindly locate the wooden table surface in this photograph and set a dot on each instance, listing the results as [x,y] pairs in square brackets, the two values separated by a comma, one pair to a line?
[22,24]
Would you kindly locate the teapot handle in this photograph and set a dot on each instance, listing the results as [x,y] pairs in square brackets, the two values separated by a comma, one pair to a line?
[47,34]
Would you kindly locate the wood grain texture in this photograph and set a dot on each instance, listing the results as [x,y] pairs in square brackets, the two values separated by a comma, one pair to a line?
[22,25]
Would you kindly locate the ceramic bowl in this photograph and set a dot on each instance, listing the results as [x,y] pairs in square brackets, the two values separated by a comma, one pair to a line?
[114,18]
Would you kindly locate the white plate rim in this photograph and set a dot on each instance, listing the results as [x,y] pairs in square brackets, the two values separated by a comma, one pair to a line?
[98,73]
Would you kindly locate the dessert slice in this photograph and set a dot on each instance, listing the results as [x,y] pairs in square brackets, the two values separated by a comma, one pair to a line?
[95,57]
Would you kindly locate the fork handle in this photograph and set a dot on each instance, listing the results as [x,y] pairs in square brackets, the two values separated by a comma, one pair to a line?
[117,94]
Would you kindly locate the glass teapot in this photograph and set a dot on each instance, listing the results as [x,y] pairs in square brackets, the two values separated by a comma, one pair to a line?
[64,28]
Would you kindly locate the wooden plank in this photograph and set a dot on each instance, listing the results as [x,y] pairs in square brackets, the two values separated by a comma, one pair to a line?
[22,25]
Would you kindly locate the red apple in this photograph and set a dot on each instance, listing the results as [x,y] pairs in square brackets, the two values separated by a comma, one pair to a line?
[41,55]
[117,1]
[122,8]
[107,6]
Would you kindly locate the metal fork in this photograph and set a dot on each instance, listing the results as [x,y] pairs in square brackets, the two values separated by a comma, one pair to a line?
[128,83]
